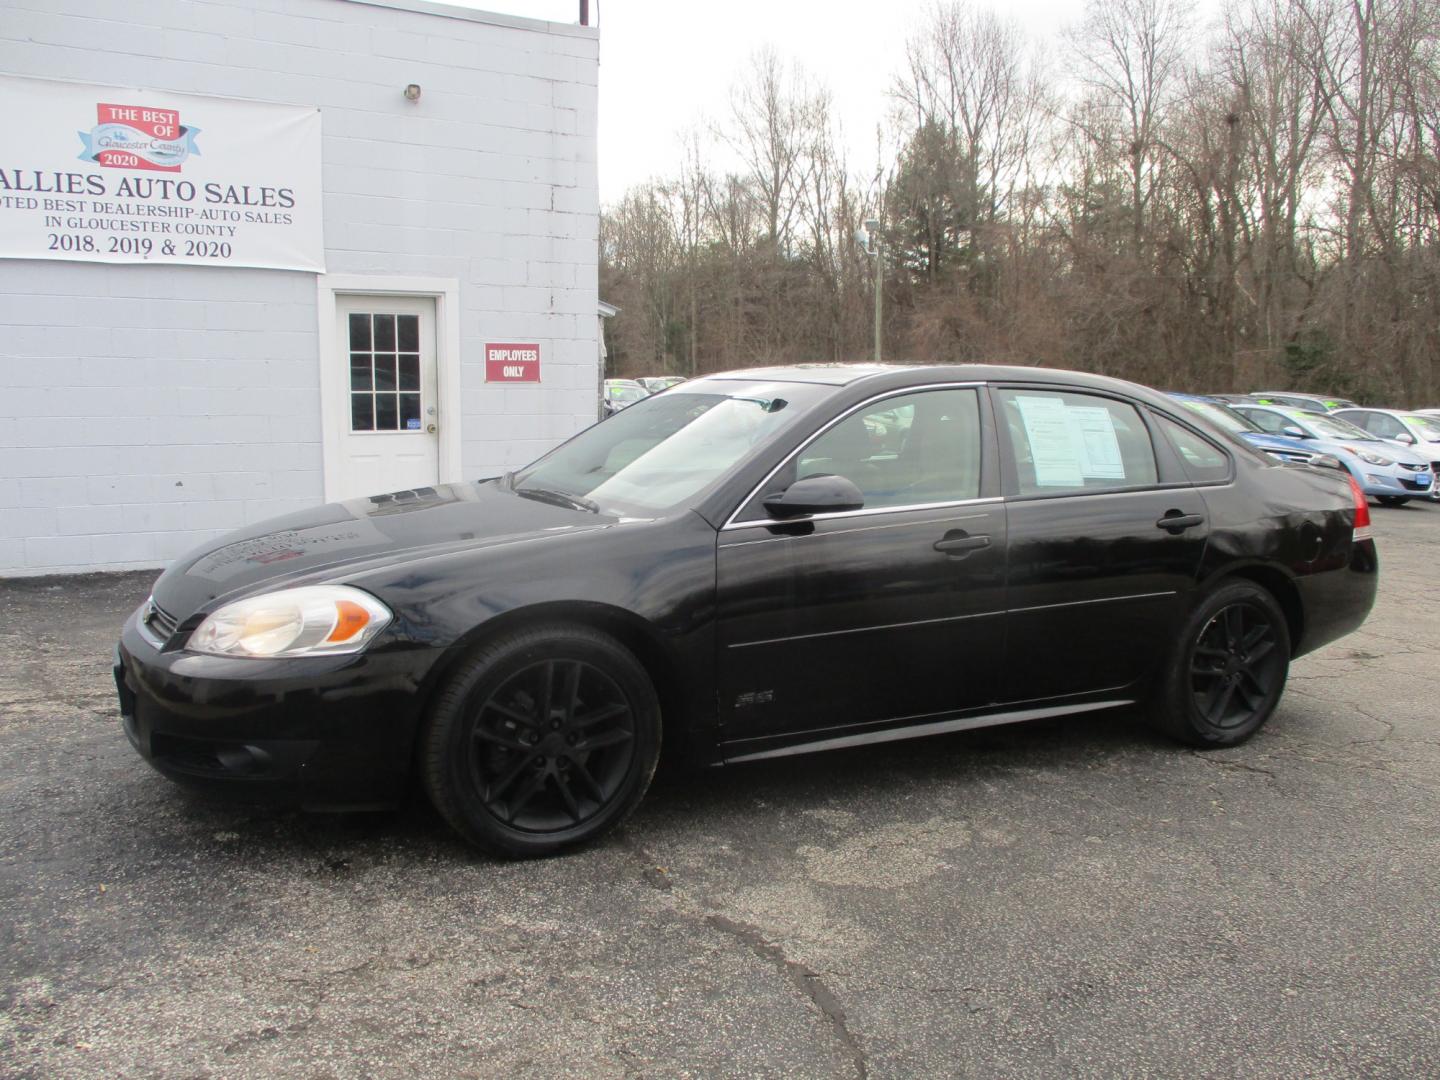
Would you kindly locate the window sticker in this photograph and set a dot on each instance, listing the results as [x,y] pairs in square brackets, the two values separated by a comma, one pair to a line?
[1053,442]
[1095,439]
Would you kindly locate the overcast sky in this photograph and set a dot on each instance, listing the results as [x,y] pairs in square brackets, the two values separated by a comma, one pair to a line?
[667,64]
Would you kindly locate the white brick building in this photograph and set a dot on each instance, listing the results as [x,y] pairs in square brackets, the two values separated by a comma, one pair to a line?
[146,408]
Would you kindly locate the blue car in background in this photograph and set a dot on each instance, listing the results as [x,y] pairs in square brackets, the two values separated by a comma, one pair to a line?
[1384,471]
[1223,415]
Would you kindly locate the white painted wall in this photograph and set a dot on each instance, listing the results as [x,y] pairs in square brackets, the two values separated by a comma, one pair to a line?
[145,409]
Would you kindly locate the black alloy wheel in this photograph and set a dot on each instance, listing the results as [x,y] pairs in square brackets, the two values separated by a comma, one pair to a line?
[1229,669]
[542,740]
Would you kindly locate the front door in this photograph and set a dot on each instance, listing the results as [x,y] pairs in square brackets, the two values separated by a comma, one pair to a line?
[390,434]
[890,615]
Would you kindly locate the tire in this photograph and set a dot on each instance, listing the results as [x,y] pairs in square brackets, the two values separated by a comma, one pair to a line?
[1393,500]
[541,740]
[1228,669]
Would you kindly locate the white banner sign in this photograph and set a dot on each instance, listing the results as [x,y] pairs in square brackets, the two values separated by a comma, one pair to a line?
[101,174]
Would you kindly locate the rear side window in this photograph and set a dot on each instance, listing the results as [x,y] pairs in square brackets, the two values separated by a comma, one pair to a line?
[1065,441]
[1204,462]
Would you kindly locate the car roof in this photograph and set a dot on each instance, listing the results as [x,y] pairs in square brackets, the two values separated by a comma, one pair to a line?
[1292,393]
[827,374]
[892,376]
[1376,408]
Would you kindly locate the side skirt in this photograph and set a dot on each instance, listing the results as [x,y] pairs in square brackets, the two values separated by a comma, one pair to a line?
[915,731]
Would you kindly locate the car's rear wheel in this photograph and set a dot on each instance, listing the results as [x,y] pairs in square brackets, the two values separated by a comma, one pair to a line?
[541,740]
[1393,500]
[1228,669]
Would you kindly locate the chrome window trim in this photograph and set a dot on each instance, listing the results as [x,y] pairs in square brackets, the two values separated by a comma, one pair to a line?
[863,512]
[970,385]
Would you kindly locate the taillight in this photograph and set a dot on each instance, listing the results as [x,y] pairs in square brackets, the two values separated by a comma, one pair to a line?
[1362,510]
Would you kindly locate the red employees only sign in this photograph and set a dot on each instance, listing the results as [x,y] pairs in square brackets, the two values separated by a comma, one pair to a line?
[512,363]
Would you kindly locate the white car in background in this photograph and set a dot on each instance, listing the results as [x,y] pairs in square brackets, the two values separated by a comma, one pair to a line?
[1415,431]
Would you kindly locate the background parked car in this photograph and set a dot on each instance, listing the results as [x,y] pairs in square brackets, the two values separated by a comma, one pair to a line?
[1411,430]
[655,383]
[1387,472]
[1313,403]
[1283,447]
[622,392]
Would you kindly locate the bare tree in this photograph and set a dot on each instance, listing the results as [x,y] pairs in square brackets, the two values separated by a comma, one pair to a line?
[1130,53]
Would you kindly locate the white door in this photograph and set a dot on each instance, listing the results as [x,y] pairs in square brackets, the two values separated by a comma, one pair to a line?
[390,438]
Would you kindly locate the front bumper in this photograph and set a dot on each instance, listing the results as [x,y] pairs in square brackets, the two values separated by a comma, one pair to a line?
[1410,485]
[326,732]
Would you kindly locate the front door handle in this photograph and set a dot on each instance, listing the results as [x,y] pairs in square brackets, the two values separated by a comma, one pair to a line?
[960,543]
[1175,522]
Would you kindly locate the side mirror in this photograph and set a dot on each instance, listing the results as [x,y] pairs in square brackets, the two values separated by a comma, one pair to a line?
[814,495]
[1292,432]
[1406,438]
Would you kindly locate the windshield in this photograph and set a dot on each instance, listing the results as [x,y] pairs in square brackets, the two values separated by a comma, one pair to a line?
[1428,427]
[662,452]
[1222,416]
[1331,427]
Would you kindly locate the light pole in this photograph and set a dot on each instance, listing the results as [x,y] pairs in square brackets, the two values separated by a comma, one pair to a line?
[875,246]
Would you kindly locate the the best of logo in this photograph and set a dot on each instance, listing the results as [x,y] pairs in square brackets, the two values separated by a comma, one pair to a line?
[138,137]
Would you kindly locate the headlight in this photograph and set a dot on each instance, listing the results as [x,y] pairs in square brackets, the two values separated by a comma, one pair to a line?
[313,621]
[1370,457]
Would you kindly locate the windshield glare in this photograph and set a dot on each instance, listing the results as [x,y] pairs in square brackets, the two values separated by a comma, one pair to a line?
[662,452]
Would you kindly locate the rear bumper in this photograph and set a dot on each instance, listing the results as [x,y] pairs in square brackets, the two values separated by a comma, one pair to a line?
[329,733]
[1336,602]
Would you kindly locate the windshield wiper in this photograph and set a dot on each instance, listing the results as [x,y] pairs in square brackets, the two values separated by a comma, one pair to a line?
[558,498]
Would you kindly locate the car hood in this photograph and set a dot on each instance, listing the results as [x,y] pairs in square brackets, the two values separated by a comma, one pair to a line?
[1278,442]
[1393,451]
[334,541]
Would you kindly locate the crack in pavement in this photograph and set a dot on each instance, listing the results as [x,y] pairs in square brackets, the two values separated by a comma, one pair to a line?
[807,980]
[1224,763]
[804,978]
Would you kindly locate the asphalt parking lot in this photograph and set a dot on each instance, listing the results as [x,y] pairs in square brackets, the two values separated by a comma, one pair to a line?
[1070,898]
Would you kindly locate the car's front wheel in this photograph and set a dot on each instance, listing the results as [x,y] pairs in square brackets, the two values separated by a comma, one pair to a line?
[541,740]
[1228,669]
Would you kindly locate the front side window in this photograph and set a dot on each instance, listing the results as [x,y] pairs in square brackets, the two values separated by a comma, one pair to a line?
[904,451]
[1387,427]
[1065,442]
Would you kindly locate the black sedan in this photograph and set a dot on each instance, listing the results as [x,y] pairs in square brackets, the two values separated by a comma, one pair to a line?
[754,564]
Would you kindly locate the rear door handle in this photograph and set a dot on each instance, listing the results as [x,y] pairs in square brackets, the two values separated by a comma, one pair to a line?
[961,543]
[1175,522]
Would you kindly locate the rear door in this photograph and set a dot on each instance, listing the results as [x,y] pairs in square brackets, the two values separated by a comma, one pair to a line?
[890,613]
[1106,538]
